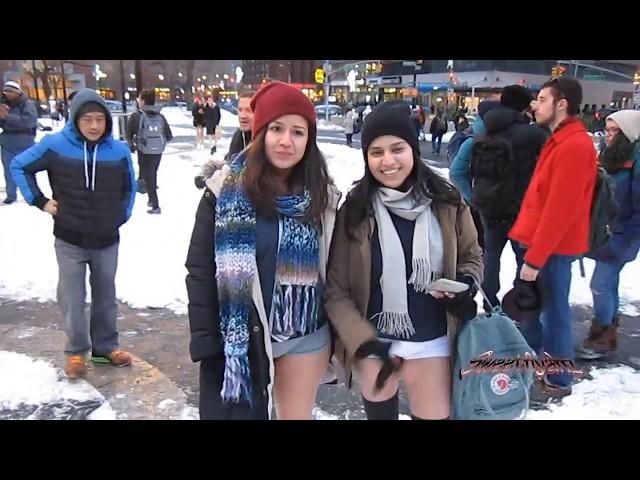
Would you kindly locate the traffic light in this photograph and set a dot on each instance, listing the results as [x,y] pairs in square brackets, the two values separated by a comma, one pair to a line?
[558,71]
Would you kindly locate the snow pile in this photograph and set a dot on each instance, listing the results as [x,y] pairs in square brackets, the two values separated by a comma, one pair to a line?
[27,382]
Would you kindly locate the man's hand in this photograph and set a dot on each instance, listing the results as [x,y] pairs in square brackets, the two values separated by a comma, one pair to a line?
[51,207]
[528,274]
[4,110]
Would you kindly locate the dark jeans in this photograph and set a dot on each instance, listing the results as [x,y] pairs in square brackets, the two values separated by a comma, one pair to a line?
[436,137]
[604,288]
[149,164]
[349,139]
[495,238]
[555,318]
[10,184]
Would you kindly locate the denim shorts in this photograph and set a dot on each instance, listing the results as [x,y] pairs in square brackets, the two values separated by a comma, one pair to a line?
[312,343]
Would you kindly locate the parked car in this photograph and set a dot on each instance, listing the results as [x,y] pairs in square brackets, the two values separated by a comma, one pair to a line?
[333,110]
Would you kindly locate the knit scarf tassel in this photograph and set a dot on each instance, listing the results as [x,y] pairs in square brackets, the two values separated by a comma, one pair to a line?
[394,323]
[422,276]
[236,385]
[295,309]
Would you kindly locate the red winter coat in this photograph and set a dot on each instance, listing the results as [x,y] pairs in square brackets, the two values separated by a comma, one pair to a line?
[555,212]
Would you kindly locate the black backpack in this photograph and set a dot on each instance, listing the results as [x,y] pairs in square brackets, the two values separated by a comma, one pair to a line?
[604,210]
[493,186]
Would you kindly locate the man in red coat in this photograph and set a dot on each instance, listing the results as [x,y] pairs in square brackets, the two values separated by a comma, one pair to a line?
[553,222]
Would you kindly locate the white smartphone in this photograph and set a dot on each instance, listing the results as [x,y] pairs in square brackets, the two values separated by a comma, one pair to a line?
[446,285]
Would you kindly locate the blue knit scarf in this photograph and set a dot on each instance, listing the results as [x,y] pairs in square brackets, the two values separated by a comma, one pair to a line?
[294,305]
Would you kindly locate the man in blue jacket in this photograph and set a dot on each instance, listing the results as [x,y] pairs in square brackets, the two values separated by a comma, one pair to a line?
[93,185]
[18,120]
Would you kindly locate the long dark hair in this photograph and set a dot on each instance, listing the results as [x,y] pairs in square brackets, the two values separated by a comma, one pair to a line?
[613,156]
[261,181]
[425,182]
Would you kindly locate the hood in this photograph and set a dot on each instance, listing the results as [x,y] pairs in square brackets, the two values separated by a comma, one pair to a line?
[501,118]
[478,127]
[151,110]
[85,95]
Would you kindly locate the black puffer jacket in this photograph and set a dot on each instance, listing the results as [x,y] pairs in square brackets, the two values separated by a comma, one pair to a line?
[526,141]
[206,341]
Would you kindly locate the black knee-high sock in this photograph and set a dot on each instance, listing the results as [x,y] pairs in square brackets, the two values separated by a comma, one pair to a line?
[385,410]
[413,417]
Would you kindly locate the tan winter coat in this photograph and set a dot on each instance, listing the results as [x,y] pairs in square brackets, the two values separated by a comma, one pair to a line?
[349,276]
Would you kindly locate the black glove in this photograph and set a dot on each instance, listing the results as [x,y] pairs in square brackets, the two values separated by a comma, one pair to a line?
[380,350]
[199,181]
[462,305]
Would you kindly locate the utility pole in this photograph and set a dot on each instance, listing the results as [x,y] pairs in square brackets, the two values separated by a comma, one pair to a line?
[138,68]
[326,90]
[64,86]
[35,81]
[123,87]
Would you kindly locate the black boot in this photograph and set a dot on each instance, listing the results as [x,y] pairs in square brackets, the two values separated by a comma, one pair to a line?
[385,410]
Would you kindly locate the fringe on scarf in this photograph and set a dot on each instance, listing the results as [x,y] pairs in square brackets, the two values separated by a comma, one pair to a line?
[422,276]
[236,385]
[295,309]
[394,323]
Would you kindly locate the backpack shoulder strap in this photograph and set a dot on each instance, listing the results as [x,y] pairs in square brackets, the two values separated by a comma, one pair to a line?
[141,122]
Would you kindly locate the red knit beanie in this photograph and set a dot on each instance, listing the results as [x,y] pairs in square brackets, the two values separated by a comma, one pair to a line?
[277,99]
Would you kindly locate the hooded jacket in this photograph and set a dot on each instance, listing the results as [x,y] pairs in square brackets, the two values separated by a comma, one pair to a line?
[93,182]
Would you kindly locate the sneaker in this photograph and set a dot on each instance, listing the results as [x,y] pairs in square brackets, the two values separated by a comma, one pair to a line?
[118,357]
[213,150]
[155,211]
[8,201]
[75,366]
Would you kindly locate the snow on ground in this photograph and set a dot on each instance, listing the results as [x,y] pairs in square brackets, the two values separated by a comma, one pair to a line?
[329,125]
[27,383]
[153,248]
[613,394]
[151,273]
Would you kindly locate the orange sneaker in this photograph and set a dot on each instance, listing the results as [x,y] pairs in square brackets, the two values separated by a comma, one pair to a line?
[75,366]
[120,358]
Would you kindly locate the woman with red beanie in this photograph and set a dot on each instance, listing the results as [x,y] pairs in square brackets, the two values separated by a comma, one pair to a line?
[257,263]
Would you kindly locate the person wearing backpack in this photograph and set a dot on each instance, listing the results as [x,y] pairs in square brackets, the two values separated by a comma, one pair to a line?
[401,227]
[459,152]
[93,190]
[148,132]
[437,130]
[621,160]
[554,220]
[502,163]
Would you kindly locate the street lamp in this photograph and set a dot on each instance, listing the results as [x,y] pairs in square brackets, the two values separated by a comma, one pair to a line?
[225,76]
[160,76]
[132,76]
[204,77]
[180,74]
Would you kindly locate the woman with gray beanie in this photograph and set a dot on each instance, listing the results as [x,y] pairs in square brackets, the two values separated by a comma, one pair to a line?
[401,228]
[621,159]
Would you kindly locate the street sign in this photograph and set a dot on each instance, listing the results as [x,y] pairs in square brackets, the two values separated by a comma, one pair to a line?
[319,75]
[596,76]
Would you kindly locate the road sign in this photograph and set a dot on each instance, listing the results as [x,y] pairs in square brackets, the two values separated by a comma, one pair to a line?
[319,75]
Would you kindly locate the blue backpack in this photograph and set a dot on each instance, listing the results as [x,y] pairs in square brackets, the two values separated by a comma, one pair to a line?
[456,142]
[500,394]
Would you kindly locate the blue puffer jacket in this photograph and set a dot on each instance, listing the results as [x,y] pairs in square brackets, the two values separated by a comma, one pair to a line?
[625,242]
[19,126]
[460,171]
[93,183]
